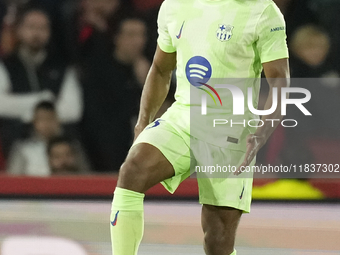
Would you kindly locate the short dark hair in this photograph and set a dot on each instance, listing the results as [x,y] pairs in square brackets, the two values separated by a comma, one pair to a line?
[59,140]
[45,105]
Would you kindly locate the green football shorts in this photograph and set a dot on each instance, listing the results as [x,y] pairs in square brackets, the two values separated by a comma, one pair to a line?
[187,154]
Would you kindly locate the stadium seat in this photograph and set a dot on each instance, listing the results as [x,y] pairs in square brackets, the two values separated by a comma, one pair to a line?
[28,245]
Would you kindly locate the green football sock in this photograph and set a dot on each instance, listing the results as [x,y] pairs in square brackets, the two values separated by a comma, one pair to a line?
[127,221]
[234,253]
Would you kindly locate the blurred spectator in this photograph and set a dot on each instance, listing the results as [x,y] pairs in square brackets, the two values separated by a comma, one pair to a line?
[29,156]
[151,16]
[129,47]
[328,16]
[10,9]
[310,59]
[32,74]
[112,86]
[64,157]
[7,42]
[310,47]
[98,12]
[8,15]
[89,27]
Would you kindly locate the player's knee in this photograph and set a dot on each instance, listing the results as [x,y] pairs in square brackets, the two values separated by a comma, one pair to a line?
[132,176]
[218,242]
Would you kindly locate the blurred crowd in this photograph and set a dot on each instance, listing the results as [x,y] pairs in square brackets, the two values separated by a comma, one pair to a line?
[72,72]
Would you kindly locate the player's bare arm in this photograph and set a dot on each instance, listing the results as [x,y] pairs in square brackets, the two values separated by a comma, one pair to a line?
[277,74]
[156,88]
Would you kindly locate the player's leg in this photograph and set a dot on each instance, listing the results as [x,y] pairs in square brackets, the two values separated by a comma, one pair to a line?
[159,154]
[224,197]
[219,226]
[144,167]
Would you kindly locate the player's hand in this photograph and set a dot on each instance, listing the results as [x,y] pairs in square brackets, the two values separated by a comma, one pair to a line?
[254,144]
[138,129]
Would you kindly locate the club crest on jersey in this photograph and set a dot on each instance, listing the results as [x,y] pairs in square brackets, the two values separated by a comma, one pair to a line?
[224,32]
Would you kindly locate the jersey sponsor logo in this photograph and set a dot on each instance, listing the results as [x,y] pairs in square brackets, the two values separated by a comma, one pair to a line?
[224,32]
[198,71]
[114,222]
[180,31]
[277,29]
[155,124]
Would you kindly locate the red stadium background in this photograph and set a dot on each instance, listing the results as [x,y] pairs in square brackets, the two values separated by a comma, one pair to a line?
[103,187]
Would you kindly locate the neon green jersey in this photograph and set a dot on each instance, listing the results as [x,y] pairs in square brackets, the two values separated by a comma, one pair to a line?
[214,41]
